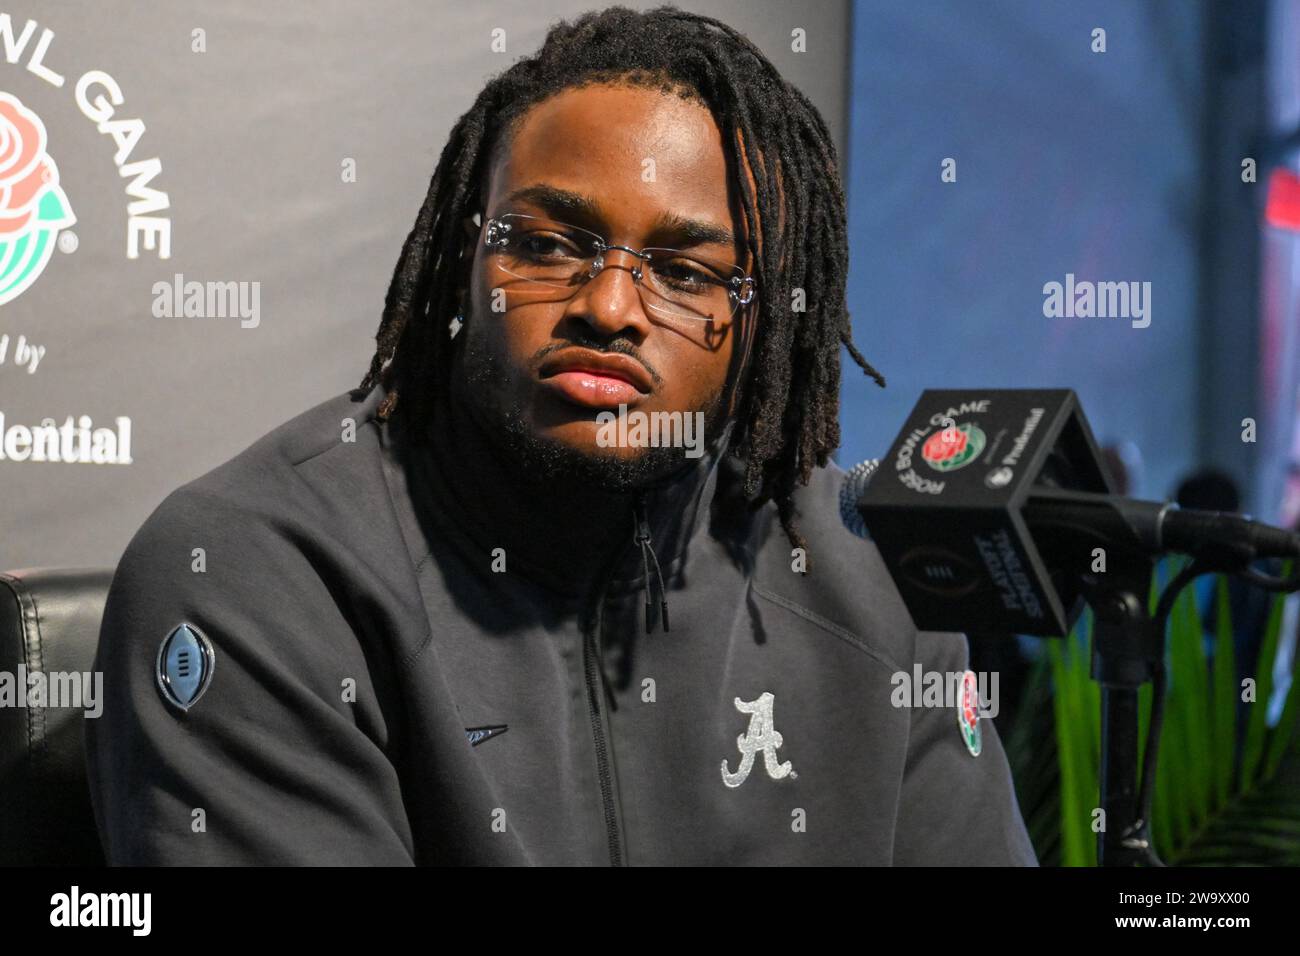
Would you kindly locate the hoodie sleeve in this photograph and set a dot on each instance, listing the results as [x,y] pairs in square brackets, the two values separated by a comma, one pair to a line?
[273,763]
[956,808]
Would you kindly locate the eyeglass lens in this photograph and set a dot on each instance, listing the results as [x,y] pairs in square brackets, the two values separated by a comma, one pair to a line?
[551,259]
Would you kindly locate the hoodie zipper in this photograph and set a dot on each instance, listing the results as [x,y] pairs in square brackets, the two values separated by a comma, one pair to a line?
[595,677]
[594,684]
[642,538]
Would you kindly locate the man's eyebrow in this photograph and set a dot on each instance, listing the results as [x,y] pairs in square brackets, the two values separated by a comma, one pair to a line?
[563,202]
[693,231]
[556,201]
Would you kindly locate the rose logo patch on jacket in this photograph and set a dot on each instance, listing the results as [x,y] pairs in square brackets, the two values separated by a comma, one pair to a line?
[761,735]
[968,714]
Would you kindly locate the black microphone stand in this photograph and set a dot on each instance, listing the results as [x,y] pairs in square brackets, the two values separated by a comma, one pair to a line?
[1128,647]
[1127,652]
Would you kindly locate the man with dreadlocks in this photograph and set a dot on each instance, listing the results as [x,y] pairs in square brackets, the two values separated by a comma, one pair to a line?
[434,622]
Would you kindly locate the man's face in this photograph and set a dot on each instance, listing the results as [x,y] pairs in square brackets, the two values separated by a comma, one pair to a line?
[529,367]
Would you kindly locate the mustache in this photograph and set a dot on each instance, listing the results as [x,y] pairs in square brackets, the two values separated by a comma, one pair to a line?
[620,346]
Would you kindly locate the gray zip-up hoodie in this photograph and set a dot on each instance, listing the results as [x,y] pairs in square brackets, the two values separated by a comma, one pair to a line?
[387,687]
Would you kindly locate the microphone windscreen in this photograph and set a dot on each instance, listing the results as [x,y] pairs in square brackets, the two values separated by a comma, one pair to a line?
[855,483]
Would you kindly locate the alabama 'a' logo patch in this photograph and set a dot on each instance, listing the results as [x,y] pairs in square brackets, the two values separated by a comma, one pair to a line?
[760,737]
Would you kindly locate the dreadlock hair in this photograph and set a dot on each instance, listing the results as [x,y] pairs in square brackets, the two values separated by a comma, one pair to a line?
[787,402]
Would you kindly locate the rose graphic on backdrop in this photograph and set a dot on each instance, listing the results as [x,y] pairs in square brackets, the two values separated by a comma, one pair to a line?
[33,207]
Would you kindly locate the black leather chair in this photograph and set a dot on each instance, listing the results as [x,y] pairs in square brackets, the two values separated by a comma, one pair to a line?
[49,621]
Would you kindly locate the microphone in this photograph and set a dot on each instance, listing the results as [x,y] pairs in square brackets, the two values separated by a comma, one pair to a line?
[855,484]
[1222,540]
[1158,528]
[1004,545]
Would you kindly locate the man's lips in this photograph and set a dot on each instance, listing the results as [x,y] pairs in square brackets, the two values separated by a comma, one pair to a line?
[596,379]
[593,391]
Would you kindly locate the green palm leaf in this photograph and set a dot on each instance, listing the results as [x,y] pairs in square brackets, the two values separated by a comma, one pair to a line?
[1217,800]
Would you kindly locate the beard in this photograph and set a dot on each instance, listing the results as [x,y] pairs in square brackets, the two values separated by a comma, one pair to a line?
[544,461]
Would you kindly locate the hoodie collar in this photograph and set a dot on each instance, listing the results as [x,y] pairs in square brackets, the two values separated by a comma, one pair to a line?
[474,500]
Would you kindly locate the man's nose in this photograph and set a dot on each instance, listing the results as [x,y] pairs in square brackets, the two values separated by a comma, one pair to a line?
[610,302]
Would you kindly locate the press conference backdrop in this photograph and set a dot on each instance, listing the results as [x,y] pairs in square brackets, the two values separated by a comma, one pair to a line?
[285,148]
[1099,141]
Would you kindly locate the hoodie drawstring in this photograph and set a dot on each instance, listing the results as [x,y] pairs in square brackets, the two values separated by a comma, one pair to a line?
[641,535]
